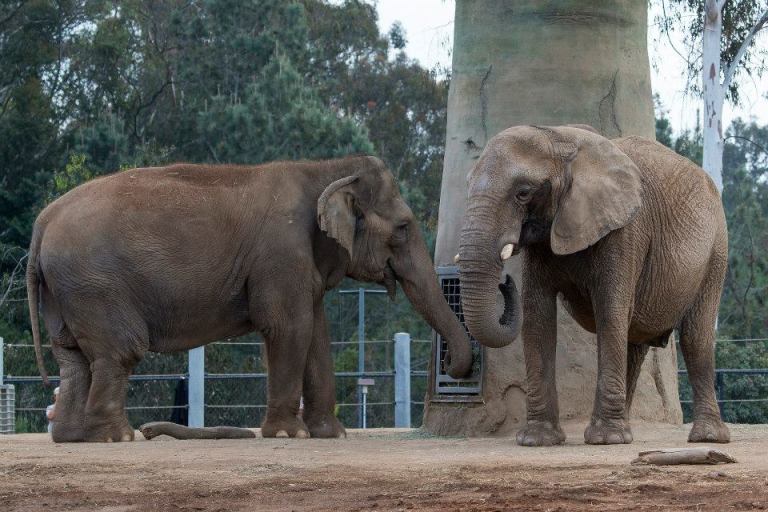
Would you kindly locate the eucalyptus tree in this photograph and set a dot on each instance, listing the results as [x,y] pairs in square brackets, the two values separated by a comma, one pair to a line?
[725,31]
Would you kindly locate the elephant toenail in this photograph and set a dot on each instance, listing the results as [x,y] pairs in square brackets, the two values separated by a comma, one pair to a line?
[281,433]
[302,434]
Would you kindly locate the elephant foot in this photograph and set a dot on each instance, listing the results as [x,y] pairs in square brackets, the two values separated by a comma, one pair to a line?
[67,432]
[292,427]
[540,433]
[112,432]
[709,430]
[603,432]
[326,426]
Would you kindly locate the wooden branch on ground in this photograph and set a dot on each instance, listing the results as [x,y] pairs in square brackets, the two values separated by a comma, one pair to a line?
[675,456]
[158,428]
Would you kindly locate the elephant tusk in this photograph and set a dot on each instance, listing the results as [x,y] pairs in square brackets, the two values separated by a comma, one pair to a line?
[506,251]
[456,258]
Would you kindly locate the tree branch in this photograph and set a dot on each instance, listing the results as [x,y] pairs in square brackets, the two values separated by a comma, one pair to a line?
[762,148]
[665,28]
[13,13]
[720,5]
[731,69]
[12,279]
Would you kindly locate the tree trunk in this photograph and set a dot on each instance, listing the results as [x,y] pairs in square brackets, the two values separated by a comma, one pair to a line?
[543,62]
[714,92]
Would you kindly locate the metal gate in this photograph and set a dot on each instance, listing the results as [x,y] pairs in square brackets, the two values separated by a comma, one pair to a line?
[447,388]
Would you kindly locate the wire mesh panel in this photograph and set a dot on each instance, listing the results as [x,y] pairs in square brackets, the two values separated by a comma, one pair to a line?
[446,387]
[7,409]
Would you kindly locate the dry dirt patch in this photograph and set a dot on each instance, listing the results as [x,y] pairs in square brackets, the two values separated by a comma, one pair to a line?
[377,470]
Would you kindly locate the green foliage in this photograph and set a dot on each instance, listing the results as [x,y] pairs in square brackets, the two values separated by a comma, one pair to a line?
[89,87]
[74,173]
[402,104]
[687,16]
[284,116]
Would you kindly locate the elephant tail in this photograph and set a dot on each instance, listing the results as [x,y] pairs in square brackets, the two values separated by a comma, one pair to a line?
[33,297]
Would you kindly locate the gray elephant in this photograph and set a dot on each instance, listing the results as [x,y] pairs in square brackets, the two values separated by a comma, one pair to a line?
[632,237]
[170,258]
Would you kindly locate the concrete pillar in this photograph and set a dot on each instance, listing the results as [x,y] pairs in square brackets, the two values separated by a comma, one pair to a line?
[196,388]
[402,380]
[543,62]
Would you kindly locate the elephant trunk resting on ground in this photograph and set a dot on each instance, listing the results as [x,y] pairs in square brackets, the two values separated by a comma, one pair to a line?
[633,238]
[170,258]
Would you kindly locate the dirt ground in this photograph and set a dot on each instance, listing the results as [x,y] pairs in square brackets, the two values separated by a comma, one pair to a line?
[377,470]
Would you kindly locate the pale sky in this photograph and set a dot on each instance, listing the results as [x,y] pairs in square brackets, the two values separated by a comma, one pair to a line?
[429,30]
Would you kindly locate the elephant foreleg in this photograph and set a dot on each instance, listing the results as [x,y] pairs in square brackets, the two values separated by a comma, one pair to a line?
[319,382]
[540,347]
[287,343]
[609,424]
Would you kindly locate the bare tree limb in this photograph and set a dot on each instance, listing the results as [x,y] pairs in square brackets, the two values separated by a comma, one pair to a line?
[13,13]
[761,148]
[14,282]
[687,58]
[720,5]
[731,69]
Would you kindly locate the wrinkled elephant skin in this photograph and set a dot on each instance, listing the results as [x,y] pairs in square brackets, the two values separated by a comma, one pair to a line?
[170,258]
[632,237]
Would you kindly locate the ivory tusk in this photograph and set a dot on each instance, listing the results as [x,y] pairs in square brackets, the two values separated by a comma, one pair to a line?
[506,251]
[456,258]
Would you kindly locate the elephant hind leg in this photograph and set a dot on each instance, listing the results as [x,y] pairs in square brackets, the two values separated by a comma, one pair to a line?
[75,372]
[697,342]
[106,420]
[635,357]
[114,340]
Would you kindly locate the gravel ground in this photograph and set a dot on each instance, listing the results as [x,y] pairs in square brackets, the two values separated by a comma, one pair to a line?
[379,469]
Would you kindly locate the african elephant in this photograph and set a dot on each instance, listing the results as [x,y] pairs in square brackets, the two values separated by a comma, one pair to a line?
[170,258]
[630,235]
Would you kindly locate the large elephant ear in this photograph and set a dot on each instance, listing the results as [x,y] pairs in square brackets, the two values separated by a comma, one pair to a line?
[604,192]
[336,214]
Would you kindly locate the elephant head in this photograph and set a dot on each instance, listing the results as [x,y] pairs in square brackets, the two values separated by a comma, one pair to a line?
[366,215]
[566,187]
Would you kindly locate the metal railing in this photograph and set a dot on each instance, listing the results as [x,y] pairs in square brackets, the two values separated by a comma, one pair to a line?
[196,377]
[402,373]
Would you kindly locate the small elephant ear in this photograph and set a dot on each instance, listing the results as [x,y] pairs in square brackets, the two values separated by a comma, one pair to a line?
[335,212]
[604,193]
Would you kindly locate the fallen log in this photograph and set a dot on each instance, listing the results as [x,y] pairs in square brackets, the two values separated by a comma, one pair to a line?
[674,456]
[159,428]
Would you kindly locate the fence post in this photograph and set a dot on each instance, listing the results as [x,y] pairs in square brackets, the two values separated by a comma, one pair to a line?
[402,380]
[360,353]
[2,368]
[196,388]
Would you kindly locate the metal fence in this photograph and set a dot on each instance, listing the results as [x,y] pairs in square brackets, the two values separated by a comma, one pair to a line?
[742,393]
[199,389]
[386,396]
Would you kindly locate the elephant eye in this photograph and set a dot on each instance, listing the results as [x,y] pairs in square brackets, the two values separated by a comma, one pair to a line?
[523,194]
[400,235]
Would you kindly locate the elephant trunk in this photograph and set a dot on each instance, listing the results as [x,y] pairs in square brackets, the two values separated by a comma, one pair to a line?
[420,284]
[479,268]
